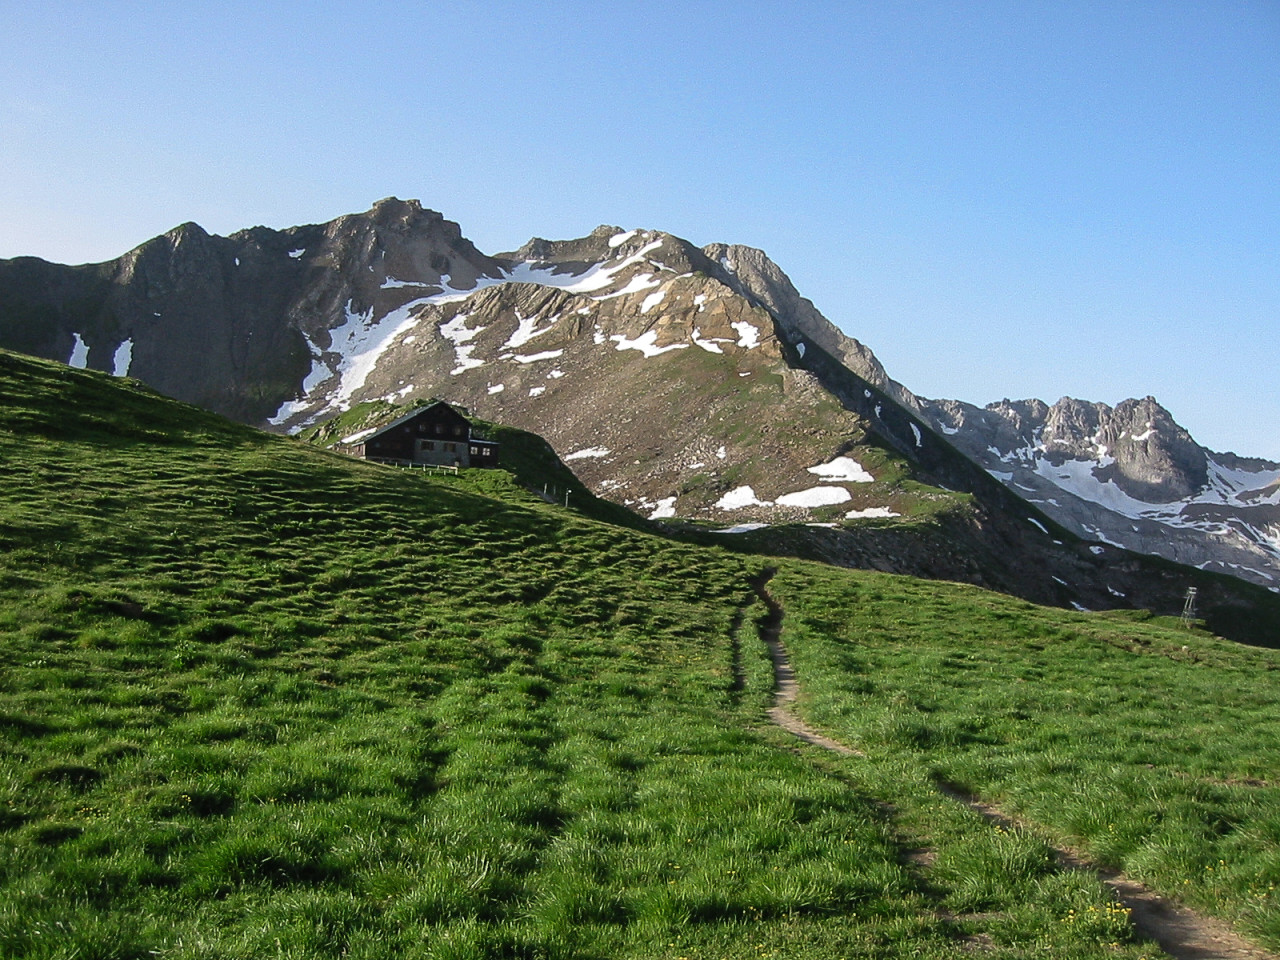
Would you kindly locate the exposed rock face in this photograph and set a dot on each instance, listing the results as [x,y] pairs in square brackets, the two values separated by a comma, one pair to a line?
[755,275]
[224,322]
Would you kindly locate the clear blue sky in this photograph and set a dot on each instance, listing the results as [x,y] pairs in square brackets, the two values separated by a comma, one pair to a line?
[1000,199]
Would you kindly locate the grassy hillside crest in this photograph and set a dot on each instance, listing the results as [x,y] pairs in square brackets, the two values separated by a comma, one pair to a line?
[259,699]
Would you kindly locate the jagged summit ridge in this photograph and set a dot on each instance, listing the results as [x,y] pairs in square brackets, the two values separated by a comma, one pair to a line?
[1128,474]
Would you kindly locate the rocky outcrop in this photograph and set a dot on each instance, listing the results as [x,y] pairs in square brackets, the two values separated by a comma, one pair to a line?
[753,274]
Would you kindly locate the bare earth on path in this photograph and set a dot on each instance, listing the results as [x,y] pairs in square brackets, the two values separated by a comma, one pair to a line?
[1182,933]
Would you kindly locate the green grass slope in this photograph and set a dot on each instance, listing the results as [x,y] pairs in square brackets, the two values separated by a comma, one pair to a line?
[1153,749]
[261,700]
[526,457]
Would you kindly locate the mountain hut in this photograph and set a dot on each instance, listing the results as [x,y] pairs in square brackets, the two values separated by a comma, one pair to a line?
[438,434]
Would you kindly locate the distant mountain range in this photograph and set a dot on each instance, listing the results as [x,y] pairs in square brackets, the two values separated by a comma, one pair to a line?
[1130,476]
[687,383]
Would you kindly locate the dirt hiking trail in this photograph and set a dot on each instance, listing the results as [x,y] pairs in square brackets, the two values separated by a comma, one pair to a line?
[1181,933]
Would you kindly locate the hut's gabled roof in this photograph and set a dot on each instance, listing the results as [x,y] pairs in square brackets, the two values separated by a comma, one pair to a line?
[365,436]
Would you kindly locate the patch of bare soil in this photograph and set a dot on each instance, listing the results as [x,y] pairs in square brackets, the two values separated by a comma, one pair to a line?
[1180,932]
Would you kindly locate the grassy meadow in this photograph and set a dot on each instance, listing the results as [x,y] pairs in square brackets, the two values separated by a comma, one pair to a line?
[260,700]
[1153,749]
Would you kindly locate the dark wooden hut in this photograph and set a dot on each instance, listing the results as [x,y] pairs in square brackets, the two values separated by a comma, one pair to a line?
[435,434]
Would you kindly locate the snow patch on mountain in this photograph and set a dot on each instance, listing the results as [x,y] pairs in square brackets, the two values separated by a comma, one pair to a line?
[535,357]
[842,470]
[317,375]
[596,277]
[638,283]
[666,507]
[587,454]
[392,283]
[815,497]
[122,359]
[646,343]
[360,341]
[526,329]
[1236,488]
[79,353]
[652,300]
[745,496]
[712,345]
[748,334]
[459,334]
[740,497]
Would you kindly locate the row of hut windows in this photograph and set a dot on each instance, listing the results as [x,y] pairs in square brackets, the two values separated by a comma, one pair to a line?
[440,429]
[430,446]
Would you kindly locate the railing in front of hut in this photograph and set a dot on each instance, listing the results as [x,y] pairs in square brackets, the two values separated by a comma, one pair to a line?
[414,465]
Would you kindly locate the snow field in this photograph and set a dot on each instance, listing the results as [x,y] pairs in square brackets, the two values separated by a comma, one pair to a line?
[79,353]
[815,497]
[842,470]
[122,359]
[646,343]
[666,507]
[745,496]
[868,513]
[535,357]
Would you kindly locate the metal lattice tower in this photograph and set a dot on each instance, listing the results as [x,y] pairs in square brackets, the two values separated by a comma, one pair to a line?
[1189,607]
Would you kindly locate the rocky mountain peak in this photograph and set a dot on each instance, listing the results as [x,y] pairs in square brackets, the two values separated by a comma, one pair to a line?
[751,272]
[1128,474]
[602,245]
[1155,458]
[184,254]
[1137,445]
[1071,430]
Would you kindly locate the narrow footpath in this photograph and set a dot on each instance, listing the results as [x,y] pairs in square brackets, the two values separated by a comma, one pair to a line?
[1181,933]
[785,687]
